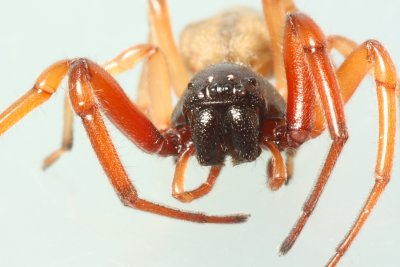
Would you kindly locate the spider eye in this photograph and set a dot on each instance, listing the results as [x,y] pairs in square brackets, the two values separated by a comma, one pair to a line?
[239,89]
[253,81]
[190,86]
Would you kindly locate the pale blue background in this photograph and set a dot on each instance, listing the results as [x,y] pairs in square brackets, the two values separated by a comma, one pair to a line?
[70,215]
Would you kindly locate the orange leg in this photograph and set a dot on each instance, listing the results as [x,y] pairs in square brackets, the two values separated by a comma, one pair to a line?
[369,55]
[342,44]
[308,66]
[178,190]
[162,70]
[125,61]
[45,85]
[161,35]
[67,136]
[128,58]
[275,13]
[158,87]
[372,55]
[154,91]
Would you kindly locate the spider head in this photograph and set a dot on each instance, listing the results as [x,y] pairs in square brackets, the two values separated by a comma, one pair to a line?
[222,106]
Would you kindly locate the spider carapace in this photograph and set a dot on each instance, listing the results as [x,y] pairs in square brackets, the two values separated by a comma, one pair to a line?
[227,109]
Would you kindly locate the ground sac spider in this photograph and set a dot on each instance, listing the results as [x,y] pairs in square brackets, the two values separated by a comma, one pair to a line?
[227,109]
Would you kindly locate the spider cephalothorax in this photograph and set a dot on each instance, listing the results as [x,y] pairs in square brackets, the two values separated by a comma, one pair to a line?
[223,106]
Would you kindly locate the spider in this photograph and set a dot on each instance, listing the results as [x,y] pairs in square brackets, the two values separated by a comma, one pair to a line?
[278,140]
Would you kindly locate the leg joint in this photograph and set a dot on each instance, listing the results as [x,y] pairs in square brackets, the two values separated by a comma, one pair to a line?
[382,178]
[128,198]
[341,137]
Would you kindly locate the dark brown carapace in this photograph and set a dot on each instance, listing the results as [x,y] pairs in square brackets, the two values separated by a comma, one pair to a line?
[227,109]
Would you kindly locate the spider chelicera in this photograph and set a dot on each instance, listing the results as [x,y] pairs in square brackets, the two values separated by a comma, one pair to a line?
[227,109]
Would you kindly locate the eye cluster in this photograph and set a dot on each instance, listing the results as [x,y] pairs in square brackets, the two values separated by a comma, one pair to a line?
[228,87]
[224,84]
[221,89]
